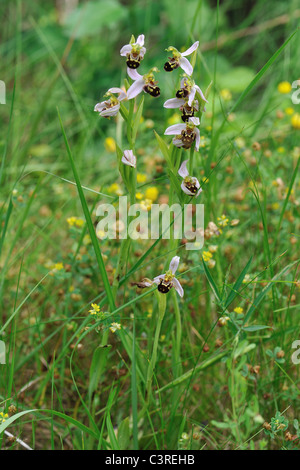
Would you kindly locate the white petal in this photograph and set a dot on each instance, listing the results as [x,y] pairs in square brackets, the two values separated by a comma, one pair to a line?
[177,142]
[125,50]
[175,129]
[183,172]
[142,51]
[122,93]
[186,66]
[135,89]
[140,40]
[194,120]
[177,286]
[111,111]
[197,132]
[200,191]
[128,158]
[133,74]
[200,93]
[174,103]
[174,264]
[99,106]
[157,279]
[192,96]
[191,49]
[186,190]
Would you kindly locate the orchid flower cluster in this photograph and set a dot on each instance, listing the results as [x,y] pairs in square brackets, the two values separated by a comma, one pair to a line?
[189,99]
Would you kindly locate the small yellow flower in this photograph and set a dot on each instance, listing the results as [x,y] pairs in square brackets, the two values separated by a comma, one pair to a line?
[206,255]
[226,94]
[223,221]
[295,121]
[152,193]
[58,266]
[110,144]
[275,206]
[139,196]
[95,309]
[284,87]
[146,204]
[239,310]
[114,327]
[281,150]
[75,222]
[115,188]
[205,180]
[3,417]
[141,178]
[289,111]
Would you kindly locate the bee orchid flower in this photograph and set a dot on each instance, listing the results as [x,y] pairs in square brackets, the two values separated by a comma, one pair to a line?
[111,106]
[134,51]
[188,90]
[185,134]
[189,185]
[168,280]
[141,83]
[179,59]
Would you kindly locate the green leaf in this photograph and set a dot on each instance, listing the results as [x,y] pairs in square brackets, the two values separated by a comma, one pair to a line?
[212,283]
[67,418]
[137,119]
[237,284]
[204,365]
[255,327]
[97,367]
[111,433]
[124,434]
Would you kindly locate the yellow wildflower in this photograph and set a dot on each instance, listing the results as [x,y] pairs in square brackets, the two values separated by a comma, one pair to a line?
[146,204]
[226,94]
[139,196]
[110,144]
[239,310]
[206,255]
[58,266]
[114,327]
[284,87]
[95,309]
[115,188]
[3,417]
[295,121]
[141,178]
[289,111]
[223,221]
[152,193]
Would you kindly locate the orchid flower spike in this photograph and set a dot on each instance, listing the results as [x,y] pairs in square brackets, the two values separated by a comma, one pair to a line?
[134,51]
[168,280]
[189,185]
[111,106]
[185,134]
[179,59]
[141,83]
[128,158]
